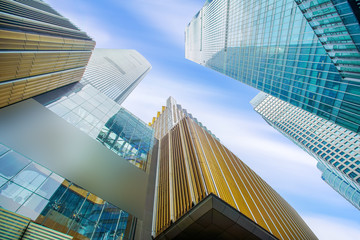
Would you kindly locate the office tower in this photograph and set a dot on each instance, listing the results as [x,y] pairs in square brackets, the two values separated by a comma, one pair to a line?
[336,148]
[52,172]
[115,72]
[335,23]
[309,60]
[203,191]
[109,78]
[40,50]
[59,203]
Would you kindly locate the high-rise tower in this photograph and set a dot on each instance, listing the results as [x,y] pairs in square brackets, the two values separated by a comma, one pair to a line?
[40,50]
[51,175]
[110,76]
[115,72]
[334,147]
[204,191]
[307,55]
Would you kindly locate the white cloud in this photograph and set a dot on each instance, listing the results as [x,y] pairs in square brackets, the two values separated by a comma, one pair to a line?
[332,228]
[156,87]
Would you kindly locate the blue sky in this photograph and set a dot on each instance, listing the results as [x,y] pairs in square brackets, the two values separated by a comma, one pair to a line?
[155,28]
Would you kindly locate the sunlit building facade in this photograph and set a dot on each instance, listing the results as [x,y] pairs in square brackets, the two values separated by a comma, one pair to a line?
[203,191]
[335,147]
[40,50]
[306,55]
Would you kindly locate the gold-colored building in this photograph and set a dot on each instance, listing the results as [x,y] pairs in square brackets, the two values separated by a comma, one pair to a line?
[40,50]
[201,185]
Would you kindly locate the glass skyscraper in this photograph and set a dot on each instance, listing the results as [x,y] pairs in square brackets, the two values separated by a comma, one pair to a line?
[204,191]
[115,72]
[307,55]
[111,75]
[336,148]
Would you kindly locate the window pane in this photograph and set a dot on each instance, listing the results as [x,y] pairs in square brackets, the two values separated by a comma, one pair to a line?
[33,206]
[11,163]
[12,196]
[32,176]
[3,149]
[50,186]
[2,181]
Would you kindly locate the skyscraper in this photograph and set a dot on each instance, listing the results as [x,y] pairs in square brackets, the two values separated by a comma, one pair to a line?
[307,55]
[115,72]
[204,191]
[40,50]
[109,78]
[51,175]
[335,147]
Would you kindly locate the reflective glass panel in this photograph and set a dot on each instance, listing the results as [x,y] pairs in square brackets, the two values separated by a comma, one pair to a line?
[3,149]
[33,206]
[11,163]
[32,176]
[48,188]
[2,181]
[12,196]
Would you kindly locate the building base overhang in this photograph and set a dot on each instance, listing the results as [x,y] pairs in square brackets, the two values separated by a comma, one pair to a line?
[213,218]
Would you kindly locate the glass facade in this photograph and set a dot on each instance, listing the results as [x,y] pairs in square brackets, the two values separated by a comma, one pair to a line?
[115,72]
[271,46]
[340,184]
[129,137]
[337,27]
[86,108]
[333,146]
[33,191]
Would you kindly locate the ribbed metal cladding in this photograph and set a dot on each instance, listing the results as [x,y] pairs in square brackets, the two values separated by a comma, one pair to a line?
[212,168]
[163,207]
[36,231]
[36,16]
[39,50]
[182,200]
[14,226]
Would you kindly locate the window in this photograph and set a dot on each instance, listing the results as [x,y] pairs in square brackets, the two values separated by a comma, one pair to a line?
[352,175]
[11,163]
